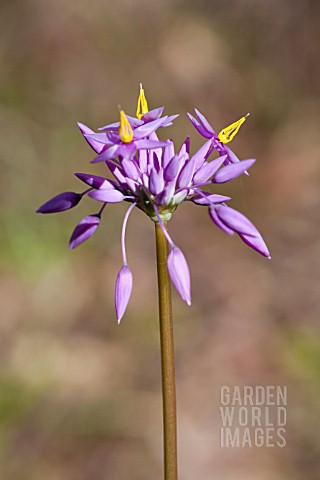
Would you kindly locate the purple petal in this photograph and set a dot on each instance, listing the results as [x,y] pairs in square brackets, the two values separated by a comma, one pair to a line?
[109,196]
[208,199]
[142,160]
[186,174]
[232,157]
[194,122]
[96,146]
[218,222]
[185,148]
[199,127]
[157,152]
[84,230]
[132,185]
[233,170]
[169,121]
[127,150]
[172,169]
[204,122]
[134,122]
[147,128]
[111,127]
[168,153]
[149,144]
[201,155]
[94,181]
[180,196]
[130,169]
[107,154]
[235,220]
[123,291]
[156,182]
[60,203]
[99,138]
[155,159]
[114,137]
[179,273]
[152,115]
[257,243]
[165,197]
[145,180]
[207,170]
[117,172]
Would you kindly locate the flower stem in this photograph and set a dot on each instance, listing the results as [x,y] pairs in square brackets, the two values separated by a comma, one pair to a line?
[167,358]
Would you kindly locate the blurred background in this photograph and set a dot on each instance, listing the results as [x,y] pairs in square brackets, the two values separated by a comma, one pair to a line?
[80,397]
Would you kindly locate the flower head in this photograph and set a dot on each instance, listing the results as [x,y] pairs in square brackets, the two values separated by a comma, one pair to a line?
[155,177]
[179,273]
[129,135]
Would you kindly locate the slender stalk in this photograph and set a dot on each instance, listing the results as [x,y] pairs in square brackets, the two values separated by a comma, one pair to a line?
[167,359]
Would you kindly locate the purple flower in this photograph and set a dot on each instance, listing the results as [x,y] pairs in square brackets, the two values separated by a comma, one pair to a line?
[124,138]
[219,140]
[179,273]
[84,230]
[123,291]
[60,203]
[231,221]
[156,178]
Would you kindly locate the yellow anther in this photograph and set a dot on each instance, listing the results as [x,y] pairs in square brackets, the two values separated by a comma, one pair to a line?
[125,130]
[142,105]
[227,134]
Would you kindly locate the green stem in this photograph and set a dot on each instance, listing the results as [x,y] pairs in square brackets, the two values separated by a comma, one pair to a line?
[167,359]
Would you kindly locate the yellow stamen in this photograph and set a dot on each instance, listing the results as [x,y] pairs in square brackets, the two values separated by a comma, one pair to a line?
[125,130]
[142,105]
[227,134]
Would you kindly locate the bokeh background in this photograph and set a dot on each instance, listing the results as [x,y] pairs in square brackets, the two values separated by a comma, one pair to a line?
[80,397]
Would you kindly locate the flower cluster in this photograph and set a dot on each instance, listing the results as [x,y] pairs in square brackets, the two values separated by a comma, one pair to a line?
[156,178]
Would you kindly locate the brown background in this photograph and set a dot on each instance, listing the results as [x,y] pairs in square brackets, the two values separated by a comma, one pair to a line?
[79,396]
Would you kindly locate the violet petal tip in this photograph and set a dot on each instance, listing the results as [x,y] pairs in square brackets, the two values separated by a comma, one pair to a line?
[179,273]
[123,291]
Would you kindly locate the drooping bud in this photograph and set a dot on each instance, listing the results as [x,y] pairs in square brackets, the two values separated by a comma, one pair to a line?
[179,273]
[257,243]
[228,133]
[123,291]
[235,220]
[84,230]
[125,130]
[60,203]
[230,221]
[142,105]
